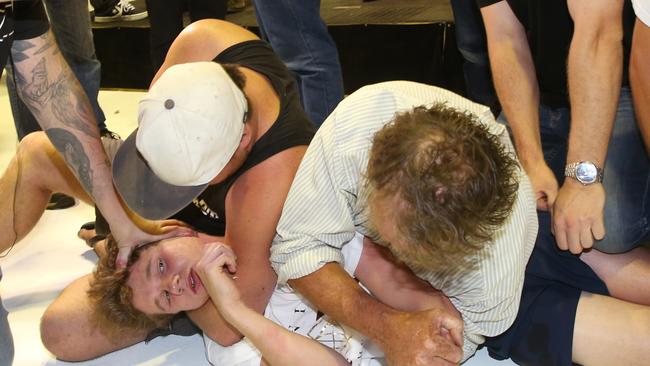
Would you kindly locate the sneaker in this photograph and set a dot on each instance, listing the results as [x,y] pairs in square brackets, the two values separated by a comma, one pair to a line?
[124,10]
[109,15]
[235,6]
[59,201]
[133,10]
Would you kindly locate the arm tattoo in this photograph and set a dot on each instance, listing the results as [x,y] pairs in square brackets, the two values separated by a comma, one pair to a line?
[68,101]
[73,153]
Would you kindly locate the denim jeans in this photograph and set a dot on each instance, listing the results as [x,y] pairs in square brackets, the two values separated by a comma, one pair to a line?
[6,341]
[70,22]
[472,44]
[626,177]
[299,36]
[166,22]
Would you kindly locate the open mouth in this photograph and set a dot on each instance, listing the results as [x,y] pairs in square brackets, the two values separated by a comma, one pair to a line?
[193,281]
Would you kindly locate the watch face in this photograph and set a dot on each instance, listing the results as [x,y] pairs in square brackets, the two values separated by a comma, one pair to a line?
[586,173]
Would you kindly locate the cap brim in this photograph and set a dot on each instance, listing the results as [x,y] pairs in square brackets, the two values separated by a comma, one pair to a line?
[142,190]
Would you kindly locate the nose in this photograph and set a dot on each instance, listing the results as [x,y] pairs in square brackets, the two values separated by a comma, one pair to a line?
[175,287]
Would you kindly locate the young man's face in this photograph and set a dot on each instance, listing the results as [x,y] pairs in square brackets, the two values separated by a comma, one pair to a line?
[164,280]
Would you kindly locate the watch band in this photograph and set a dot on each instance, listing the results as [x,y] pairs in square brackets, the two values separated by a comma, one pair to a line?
[570,171]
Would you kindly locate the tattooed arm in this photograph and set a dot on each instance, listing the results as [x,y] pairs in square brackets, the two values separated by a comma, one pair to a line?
[51,91]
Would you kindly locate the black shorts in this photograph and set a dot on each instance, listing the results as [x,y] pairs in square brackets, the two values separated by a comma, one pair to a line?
[542,333]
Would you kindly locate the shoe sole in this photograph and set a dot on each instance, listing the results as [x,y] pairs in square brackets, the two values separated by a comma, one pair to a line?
[106,19]
[134,17]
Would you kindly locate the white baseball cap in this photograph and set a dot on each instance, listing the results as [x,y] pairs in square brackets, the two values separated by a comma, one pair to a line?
[190,124]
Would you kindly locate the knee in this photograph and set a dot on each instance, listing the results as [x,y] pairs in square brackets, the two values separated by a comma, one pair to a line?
[34,146]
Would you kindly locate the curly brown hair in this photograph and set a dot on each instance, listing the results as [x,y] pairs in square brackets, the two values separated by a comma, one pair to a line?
[111,297]
[454,182]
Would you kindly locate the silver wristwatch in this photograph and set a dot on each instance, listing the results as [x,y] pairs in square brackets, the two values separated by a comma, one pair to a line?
[585,172]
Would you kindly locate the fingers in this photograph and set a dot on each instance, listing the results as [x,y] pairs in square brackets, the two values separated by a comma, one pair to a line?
[218,255]
[586,238]
[448,351]
[455,327]
[123,256]
[542,201]
[598,229]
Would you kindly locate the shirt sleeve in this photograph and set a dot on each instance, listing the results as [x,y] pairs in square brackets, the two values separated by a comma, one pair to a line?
[316,220]
[484,3]
[642,10]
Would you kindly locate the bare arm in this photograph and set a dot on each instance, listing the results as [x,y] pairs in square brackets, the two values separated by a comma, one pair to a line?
[277,345]
[252,217]
[594,73]
[516,84]
[406,338]
[51,91]
[640,78]
[395,285]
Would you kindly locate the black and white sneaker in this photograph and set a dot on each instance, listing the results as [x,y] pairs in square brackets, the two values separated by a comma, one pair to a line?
[126,10]
[112,14]
[133,10]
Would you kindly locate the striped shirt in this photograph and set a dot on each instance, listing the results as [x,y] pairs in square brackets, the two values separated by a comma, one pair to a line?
[327,203]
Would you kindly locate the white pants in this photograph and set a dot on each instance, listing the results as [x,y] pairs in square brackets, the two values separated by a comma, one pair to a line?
[294,313]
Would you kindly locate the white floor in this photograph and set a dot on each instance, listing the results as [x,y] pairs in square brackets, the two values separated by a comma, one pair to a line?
[42,264]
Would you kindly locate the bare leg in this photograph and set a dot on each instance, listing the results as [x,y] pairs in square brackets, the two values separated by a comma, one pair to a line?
[610,331]
[626,275]
[68,331]
[33,174]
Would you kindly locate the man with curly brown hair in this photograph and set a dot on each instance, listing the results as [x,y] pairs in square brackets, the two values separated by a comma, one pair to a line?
[434,178]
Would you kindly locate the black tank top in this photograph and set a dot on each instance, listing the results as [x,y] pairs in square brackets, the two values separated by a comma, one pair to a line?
[207,212]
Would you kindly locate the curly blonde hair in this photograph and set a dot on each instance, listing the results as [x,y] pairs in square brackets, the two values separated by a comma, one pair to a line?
[111,297]
[454,181]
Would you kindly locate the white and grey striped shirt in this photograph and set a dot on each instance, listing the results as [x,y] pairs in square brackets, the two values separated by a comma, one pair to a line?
[327,203]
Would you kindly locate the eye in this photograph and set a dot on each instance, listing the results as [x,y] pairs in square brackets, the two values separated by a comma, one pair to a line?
[161,266]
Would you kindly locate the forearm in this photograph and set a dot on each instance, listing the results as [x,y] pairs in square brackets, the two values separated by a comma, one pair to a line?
[335,293]
[515,80]
[394,283]
[594,76]
[52,93]
[255,292]
[278,345]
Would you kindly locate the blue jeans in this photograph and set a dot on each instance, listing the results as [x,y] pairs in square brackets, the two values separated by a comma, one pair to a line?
[472,44]
[70,22]
[299,36]
[626,178]
[6,341]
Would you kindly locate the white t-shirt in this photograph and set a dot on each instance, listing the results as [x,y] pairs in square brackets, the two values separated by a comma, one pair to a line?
[294,313]
[642,10]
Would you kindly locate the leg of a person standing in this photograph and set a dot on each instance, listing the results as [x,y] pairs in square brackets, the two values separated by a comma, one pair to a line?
[472,44]
[207,9]
[299,36]
[70,22]
[166,22]
[627,183]
[6,340]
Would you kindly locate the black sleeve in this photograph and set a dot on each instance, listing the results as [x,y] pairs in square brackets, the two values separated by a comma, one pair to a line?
[484,3]
[30,19]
